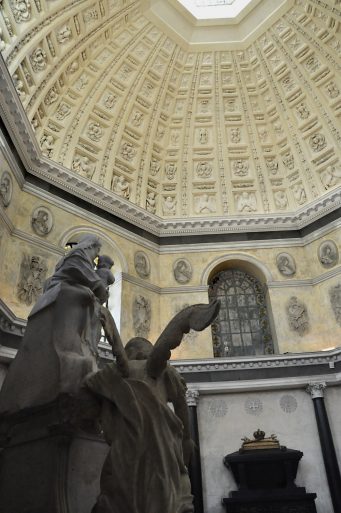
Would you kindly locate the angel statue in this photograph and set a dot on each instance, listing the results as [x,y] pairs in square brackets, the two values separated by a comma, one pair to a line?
[150,445]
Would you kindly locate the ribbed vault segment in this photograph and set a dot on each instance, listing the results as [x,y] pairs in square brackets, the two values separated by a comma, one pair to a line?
[182,133]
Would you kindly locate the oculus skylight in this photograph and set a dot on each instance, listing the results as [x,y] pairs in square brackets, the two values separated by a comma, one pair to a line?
[214,9]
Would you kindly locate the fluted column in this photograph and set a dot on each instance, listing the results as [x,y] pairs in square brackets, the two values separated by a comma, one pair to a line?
[327,444]
[192,397]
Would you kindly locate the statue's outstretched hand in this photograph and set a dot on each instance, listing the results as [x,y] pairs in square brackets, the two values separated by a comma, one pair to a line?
[196,317]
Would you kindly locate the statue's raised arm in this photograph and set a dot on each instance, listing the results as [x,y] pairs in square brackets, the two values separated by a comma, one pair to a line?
[195,317]
[145,469]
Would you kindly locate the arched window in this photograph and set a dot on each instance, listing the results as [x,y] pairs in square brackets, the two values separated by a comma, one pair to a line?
[242,326]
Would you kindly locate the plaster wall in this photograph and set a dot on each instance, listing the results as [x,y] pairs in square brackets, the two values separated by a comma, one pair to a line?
[311,283]
[225,418]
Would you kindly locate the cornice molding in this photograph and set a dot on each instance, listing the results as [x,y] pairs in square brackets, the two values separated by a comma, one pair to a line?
[329,358]
[9,323]
[146,285]
[310,282]
[263,384]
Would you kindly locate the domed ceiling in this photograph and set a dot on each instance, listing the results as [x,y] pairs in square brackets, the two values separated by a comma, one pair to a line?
[148,112]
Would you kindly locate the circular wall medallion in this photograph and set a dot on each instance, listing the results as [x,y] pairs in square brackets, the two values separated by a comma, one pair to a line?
[6,188]
[288,403]
[217,408]
[328,254]
[142,265]
[253,406]
[182,270]
[286,264]
[42,221]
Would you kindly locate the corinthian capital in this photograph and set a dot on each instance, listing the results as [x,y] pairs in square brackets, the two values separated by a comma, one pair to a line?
[316,389]
[192,397]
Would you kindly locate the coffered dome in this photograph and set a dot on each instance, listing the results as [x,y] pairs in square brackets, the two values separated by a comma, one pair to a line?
[129,114]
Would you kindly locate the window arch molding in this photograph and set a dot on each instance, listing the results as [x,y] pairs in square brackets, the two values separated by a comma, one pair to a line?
[241,261]
[108,243]
[239,333]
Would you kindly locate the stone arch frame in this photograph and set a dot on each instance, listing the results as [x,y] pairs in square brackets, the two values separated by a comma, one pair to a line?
[253,268]
[121,265]
[83,230]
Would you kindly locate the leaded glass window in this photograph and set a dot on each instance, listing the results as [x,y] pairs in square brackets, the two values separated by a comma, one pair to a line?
[242,326]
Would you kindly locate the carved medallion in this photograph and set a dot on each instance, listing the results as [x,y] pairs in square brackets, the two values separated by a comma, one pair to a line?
[142,265]
[182,271]
[288,403]
[169,205]
[204,169]
[253,406]
[42,221]
[6,189]
[286,264]
[317,142]
[328,254]
[38,59]
[170,170]
[21,10]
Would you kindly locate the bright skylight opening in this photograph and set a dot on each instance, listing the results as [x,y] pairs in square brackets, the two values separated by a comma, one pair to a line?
[214,9]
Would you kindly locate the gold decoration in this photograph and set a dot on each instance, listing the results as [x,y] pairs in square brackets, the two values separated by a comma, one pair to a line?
[260,442]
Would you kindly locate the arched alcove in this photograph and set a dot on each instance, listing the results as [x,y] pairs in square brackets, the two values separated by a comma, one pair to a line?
[243,326]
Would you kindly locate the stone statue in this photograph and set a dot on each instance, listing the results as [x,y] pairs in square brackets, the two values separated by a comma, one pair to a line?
[46,144]
[103,270]
[19,86]
[204,204]
[59,345]
[38,59]
[151,202]
[150,445]
[331,176]
[335,300]
[104,265]
[281,200]
[32,276]
[141,315]
[246,202]
[21,10]
[297,316]
[169,205]
[121,186]
[83,165]
[2,41]
[64,34]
